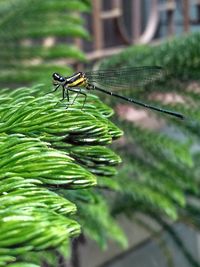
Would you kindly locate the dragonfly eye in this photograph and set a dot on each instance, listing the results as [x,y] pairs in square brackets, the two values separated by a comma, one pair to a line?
[58,78]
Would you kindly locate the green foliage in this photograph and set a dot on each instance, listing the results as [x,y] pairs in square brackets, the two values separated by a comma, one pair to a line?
[51,154]
[43,150]
[94,215]
[160,171]
[21,264]
[46,149]
[25,52]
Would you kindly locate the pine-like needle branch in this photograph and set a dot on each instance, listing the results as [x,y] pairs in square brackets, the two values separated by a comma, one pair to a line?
[161,165]
[45,146]
[36,36]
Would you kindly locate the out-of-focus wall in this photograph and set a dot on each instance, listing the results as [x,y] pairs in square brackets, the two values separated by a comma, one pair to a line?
[115,24]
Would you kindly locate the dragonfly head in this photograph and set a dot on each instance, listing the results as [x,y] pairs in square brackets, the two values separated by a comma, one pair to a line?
[57,79]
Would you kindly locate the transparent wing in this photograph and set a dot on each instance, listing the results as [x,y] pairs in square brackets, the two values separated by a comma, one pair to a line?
[127,78]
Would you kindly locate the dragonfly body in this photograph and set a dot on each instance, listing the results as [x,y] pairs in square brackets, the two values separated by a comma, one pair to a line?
[77,79]
[112,79]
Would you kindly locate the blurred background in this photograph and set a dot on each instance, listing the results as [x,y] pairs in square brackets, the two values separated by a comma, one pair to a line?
[155,196]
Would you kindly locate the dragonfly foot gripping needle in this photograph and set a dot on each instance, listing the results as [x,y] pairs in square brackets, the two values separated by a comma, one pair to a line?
[124,78]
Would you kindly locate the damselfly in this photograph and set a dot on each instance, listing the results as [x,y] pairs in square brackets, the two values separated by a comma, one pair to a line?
[122,78]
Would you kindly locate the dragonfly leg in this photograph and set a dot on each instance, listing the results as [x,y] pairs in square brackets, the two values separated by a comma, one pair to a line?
[56,88]
[53,90]
[65,93]
[78,91]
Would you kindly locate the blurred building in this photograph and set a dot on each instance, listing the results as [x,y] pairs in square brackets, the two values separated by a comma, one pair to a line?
[115,24]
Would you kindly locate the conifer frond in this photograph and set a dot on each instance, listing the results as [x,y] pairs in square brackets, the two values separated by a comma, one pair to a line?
[160,166]
[43,150]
